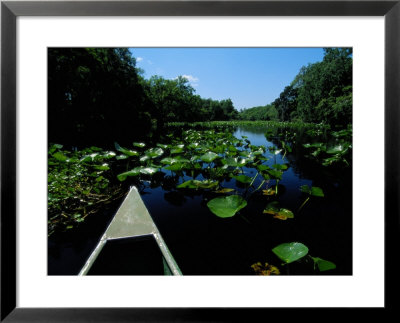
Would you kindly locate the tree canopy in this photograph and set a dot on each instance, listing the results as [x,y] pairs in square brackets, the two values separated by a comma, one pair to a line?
[99,95]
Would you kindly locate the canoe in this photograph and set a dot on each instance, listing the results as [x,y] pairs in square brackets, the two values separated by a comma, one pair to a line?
[131,245]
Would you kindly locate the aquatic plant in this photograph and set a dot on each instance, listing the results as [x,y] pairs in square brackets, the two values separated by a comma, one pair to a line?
[294,251]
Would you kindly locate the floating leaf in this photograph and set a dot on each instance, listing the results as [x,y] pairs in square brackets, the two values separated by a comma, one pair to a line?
[269,191]
[224,190]
[278,213]
[276,174]
[323,265]
[265,270]
[290,252]
[314,191]
[280,166]
[196,184]
[102,167]
[262,168]
[125,151]
[169,160]
[148,170]
[154,152]
[227,206]
[242,178]
[133,172]
[209,157]
[139,144]
[60,156]
[284,214]
[109,154]
[175,167]
[234,162]
[338,149]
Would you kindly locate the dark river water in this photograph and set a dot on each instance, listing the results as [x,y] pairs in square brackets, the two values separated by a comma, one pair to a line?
[204,244]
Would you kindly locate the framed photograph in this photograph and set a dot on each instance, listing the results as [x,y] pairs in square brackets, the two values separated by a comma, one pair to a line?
[334,167]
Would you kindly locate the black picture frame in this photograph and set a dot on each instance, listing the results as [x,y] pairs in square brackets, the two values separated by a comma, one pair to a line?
[10,10]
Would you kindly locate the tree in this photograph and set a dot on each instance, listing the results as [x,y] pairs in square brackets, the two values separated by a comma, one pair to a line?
[94,96]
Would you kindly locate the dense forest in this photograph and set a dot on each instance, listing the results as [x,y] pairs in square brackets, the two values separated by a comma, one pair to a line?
[99,95]
[320,93]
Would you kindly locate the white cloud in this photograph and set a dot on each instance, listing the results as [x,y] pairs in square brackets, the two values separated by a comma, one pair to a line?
[192,79]
[139,59]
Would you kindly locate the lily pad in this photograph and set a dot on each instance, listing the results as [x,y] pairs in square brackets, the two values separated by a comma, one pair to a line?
[125,151]
[269,191]
[133,172]
[243,178]
[196,184]
[265,270]
[139,144]
[148,170]
[228,206]
[290,252]
[154,152]
[280,166]
[323,265]
[224,190]
[209,157]
[314,191]
[278,213]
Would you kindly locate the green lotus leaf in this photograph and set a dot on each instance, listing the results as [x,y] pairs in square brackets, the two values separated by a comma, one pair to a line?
[125,151]
[263,167]
[272,208]
[154,152]
[133,172]
[109,154]
[276,174]
[286,213]
[102,167]
[228,206]
[314,191]
[144,158]
[169,160]
[209,157]
[196,184]
[323,265]
[60,156]
[338,149]
[148,170]
[139,144]
[121,157]
[280,166]
[175,167]
[290,252]
[234,162]
[242,178]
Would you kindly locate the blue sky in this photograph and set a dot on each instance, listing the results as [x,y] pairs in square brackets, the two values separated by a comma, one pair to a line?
[248,76]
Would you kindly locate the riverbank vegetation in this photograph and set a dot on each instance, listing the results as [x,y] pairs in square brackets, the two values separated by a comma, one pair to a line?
[98,95]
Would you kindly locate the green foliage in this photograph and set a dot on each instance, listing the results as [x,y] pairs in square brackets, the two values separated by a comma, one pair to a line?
[290,252]
[228,206]
[79,184]
[324,89]
[95,95]
[278,212]
[314,191]
[294,251]
[320,93]
[267,112]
